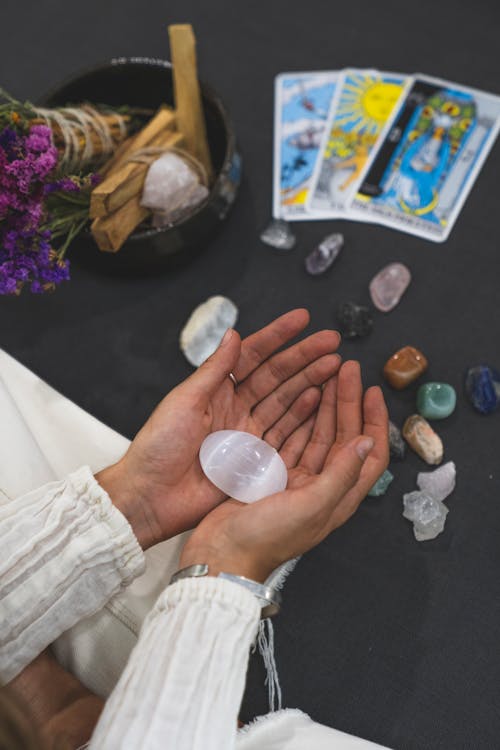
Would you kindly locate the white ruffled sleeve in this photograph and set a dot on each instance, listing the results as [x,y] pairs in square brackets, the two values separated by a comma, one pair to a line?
[184,681]
[65,551]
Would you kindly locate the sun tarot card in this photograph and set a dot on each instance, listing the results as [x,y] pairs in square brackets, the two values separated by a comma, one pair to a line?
[361,111]
[425,168]
[301,106]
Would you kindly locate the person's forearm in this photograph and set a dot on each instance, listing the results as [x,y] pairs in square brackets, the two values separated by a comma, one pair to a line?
[66,551]
[183,684]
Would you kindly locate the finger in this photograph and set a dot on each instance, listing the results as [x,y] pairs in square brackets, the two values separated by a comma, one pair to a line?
[349,404]
[203,383]
[282,366]
[376,426]
[323,435]
[300,410]
[272,408]
[258,347]
[292,449]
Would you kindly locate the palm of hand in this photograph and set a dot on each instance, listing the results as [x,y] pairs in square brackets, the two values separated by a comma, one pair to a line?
[275,394]
[322,492]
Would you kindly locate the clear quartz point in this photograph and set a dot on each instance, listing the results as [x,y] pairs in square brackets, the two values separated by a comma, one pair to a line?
[278,234]
[242,465]
[323,256]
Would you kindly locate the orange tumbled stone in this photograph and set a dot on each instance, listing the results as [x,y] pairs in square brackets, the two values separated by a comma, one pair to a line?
[405,366]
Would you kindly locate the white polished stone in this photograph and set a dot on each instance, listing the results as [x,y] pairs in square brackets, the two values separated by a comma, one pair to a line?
[242,465]
[205,328]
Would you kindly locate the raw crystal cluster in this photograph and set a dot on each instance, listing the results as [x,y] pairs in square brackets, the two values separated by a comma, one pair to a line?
[439,483]
[205,328]
[482,386]
[389,285]
[322,257]
[381,485]
[354,320]
[396,443]
[242,465]
[405,366]
[428,515]
[171,189]
[436,400]
[425,507]
[278,234]
[421,437]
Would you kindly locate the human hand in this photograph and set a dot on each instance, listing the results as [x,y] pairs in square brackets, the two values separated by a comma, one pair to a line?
[334,458]
[159,484]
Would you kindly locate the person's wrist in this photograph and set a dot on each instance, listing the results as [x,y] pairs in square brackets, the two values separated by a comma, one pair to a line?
[225,562]
[124,496]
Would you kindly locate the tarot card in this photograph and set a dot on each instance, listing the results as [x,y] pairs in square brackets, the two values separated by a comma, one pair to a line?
[364,105]
[301,106]
[423,171]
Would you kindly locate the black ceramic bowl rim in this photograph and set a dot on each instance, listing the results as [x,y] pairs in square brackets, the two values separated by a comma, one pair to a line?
[207,92]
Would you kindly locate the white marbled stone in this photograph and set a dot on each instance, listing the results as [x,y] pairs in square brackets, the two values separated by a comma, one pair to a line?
[242,465]
[205,328]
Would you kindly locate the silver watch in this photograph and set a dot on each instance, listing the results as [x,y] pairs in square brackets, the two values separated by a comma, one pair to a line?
[269,598]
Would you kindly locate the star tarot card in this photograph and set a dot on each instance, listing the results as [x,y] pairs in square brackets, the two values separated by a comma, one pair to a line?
[301,106]
[424,169]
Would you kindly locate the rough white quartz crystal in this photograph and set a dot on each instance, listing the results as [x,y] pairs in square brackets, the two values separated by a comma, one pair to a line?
[205,328]
[425,507]
[427,513]
[171,188]
[242,465]
[439,483]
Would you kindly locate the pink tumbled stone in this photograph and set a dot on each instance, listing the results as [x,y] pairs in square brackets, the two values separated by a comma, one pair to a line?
[389,285]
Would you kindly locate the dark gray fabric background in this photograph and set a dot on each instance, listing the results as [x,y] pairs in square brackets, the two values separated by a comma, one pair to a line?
[379,636]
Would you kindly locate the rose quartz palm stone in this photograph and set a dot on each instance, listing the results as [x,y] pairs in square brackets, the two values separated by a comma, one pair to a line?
[389,285]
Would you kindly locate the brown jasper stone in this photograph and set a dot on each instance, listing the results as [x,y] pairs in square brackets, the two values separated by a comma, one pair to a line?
[422,439]
[404,367]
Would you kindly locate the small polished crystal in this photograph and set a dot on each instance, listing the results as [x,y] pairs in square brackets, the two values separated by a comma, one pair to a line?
[389,285]
[354,320]
[438,483]
[242,466]
[396,443]
[205,328]
[427,513]
[422,439]
[381,485]
[278,234]
[405,366]
[436,400]
[482,386]
[322,257]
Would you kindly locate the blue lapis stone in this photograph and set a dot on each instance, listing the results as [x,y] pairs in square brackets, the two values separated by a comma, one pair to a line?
[482,386]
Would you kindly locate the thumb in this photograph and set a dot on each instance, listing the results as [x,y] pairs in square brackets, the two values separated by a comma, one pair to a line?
[343,471]
[211,374]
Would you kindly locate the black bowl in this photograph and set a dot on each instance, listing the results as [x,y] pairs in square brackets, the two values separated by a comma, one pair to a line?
[143,82]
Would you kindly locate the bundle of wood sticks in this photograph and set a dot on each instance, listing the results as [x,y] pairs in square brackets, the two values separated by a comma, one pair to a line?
[115,205]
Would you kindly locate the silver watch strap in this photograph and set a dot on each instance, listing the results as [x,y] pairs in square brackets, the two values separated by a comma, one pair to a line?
[269,598]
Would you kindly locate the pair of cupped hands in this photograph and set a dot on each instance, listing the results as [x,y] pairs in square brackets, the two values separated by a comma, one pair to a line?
[302,400]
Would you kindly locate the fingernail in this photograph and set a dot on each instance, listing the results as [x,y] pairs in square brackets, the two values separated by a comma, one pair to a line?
[227,337]
[364,446]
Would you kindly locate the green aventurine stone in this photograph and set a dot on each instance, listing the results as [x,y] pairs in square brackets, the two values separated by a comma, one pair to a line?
[381,485]
[436,400]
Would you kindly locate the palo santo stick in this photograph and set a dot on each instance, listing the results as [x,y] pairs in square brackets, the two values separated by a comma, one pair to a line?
[188,103]
[128,180]
[164,119]
[110,232]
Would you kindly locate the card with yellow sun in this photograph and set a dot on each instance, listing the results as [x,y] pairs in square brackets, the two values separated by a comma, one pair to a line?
[360,114]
